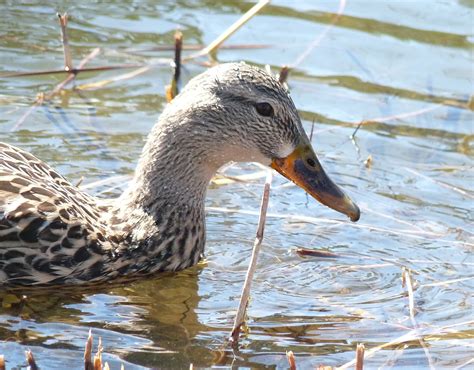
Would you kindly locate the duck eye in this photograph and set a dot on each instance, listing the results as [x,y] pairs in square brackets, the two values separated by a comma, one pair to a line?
[264,109]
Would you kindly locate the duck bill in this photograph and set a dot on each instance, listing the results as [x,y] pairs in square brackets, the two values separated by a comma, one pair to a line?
[303,168]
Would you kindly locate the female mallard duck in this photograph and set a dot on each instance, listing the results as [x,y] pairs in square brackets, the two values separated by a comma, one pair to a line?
[53,233]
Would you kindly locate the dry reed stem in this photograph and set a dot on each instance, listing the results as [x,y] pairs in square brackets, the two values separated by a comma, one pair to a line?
[88,365]
[103,83]
[173,89]
[66,49]
[291,360]
[2,362]
[178,47]
[317,40]
[214,45]
[31,360]
[407,282]
[240,316]
[359,364]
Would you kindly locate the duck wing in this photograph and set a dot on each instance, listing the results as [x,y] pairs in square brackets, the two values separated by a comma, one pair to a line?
[48,227]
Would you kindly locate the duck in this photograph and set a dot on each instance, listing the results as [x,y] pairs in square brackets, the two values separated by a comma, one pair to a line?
[53,233]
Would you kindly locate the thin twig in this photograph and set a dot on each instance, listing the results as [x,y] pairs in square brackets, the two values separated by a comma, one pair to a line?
[406,281]
[66,50]
[76,70]
[239,318]
[214,45]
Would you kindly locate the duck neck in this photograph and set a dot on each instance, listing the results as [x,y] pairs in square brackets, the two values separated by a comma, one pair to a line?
[164,204]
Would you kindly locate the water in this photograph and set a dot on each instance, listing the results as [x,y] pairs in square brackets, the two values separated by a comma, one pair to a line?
[405,67]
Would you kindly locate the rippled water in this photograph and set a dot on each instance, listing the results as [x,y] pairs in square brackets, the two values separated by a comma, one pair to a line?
[405,68]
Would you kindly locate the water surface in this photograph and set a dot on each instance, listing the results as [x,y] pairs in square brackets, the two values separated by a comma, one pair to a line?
[405,68]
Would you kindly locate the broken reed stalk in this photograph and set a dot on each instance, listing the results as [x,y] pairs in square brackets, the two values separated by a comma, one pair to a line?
[407,282]
[66,50]
[88,365]
[283,75]
[359,365]
[31,360]
[240,316]
[98,356]
[211,49]
[291,360]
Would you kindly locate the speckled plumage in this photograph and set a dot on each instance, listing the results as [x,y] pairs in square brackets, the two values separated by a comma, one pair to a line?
[51,232]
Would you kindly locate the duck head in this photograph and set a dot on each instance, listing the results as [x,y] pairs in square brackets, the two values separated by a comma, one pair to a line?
[248,116]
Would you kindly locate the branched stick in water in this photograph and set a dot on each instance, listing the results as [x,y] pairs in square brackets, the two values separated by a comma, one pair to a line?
[239,318]
[44,97]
